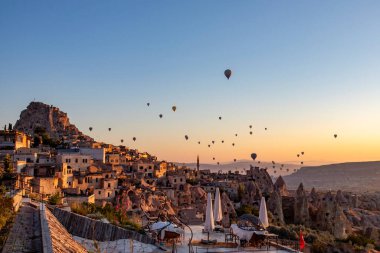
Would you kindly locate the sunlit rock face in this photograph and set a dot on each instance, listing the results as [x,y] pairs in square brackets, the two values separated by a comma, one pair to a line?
[56,123]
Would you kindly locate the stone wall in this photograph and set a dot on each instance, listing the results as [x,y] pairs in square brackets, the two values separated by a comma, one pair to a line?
[85,227]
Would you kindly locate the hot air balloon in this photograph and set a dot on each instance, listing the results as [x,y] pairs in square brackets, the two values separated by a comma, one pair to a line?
[121,140]
[222,141]
[199,142]
[213,142]
[109,129]
[148,104]
[250,126]
[90,128]
[233,144]
[266,129]
[335,135]
[301,162]
[220,118]
[218,163]
[258,162]
[274,172]
[235,134]
[228,73]
[298,155]
[273,162]
[160,115]
[250,133]
[234,160]
[302,153]
[186,137]
[174,108]
[209,145]
[253,156]
[213,158]
[134,138]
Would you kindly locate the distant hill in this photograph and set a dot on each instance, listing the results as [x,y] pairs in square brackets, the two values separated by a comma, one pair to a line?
[242,165]
[353,176]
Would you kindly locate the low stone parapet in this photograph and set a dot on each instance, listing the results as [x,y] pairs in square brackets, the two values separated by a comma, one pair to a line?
[88,228]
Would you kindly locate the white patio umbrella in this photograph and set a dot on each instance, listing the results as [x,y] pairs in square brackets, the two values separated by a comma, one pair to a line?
[218,214]
[263,215]
[209,222]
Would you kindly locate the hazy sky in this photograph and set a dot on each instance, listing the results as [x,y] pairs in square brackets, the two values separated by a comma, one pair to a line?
[303,69]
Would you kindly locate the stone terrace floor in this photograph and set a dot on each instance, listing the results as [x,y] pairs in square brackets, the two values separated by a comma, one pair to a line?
[25,235]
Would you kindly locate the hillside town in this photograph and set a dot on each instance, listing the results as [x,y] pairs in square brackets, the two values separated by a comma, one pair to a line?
[46,158]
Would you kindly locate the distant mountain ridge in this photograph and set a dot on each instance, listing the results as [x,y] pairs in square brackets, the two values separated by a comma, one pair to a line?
[242,165]
[350,176]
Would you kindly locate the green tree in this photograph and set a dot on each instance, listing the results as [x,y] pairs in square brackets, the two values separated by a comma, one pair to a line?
[55,199]
[8,165]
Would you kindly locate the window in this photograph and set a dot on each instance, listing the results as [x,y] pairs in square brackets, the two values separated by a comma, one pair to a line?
[109,185]
[76,160]
[96,180]
[99,192]
[108,194]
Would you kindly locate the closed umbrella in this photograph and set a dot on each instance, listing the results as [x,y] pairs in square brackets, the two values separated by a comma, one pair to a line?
[209,222]
[263,214]
[218,215]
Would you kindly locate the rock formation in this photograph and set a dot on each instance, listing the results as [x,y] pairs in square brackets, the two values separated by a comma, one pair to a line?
[301,207]
[280,186]
[262,178]
[55,123]
[330,216]
[275,207]
[228,210]
[251,193]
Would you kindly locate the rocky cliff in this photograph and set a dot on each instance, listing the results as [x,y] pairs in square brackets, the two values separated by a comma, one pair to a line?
[39,117]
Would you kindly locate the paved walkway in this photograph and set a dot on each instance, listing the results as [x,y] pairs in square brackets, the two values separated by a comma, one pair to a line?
[25,235]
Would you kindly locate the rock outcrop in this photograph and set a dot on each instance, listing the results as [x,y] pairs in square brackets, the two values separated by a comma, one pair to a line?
[251,193]
[228,210]
[301,207]
[275,207]
[280,186]
[55,123]
[262,178]
[330,216]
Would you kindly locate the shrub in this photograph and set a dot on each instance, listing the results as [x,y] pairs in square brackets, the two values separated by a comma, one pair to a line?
[55,199]
[247,209]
